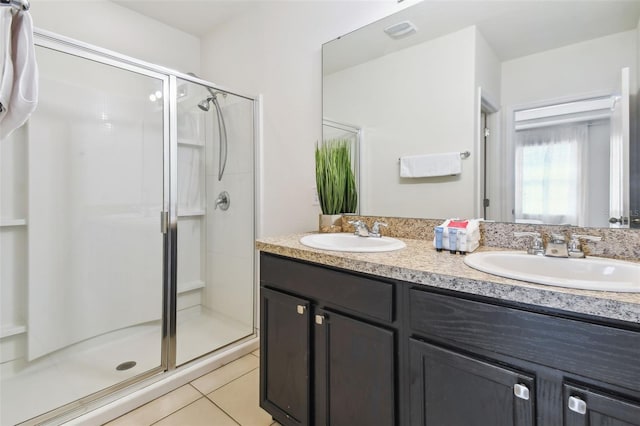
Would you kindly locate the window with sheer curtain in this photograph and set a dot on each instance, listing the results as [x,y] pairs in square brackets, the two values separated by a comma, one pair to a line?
[550,181]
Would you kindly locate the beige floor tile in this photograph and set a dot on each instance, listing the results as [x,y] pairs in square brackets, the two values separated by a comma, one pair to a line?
[225,374]
[158,408]
[201,413]
[239,399]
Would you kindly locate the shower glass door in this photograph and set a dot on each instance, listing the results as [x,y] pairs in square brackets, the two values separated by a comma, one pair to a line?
[215,198]
[83,286]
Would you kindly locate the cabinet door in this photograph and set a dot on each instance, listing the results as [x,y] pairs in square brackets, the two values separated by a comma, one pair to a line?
[284,357]
[354,372]
[586,408]
[448,388]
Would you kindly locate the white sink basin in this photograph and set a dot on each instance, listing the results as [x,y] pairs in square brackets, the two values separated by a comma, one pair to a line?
[349,242]
[588,274]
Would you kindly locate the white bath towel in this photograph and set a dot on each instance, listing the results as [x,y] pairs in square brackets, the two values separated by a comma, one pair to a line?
[24,95]
[6,64]
[417,166]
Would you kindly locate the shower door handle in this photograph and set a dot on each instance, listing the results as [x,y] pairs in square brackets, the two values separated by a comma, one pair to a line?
[164,222]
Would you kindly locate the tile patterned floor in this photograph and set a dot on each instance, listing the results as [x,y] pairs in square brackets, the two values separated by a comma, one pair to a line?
[226,396]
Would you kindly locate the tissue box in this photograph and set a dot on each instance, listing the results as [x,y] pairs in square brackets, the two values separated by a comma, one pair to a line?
[471,230]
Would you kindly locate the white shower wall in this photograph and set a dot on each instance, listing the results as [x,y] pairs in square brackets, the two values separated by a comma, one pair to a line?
[95,161]
[230,233]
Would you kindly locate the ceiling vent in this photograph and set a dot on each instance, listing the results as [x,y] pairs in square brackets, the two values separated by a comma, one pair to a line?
[401,30]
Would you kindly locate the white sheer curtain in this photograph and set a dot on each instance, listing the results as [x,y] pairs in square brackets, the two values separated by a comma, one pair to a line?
[551,183]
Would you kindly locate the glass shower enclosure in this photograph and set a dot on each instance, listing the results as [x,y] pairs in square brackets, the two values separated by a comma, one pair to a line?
[119,261]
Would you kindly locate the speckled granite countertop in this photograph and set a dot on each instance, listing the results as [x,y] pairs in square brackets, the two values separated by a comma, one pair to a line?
[420,263]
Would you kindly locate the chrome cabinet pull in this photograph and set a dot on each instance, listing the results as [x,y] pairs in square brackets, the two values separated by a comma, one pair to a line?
[319,319]
[577,405]
[521,391]
[301,309]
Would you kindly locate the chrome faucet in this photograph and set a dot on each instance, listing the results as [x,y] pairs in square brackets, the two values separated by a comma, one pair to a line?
[362,230]
[556,245]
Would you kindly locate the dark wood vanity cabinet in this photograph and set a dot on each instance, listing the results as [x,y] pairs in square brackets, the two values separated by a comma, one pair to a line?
[285,356]
[328,346]
[449,388]
[478,363]
[341,348]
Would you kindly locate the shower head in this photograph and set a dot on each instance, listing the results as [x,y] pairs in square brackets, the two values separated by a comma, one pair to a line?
[205,104]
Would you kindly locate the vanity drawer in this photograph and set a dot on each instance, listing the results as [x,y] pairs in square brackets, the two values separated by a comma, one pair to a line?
[607,353]
[363,294]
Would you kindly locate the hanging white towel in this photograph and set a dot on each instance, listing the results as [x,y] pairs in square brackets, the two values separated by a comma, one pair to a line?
[24,94]
[6,64]
[430,165]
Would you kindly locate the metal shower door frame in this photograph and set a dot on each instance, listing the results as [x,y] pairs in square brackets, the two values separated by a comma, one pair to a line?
[169,218]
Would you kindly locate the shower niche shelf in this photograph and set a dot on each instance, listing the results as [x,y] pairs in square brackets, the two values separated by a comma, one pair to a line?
[12,222]
[191,142]
[12,330]
[190,213]
[190,286]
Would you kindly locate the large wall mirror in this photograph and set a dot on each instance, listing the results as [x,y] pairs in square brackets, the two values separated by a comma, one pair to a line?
[541,94]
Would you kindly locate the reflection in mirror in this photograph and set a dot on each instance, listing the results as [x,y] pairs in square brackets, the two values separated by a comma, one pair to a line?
[541,93]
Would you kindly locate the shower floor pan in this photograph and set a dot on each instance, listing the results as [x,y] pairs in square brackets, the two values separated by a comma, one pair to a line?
[29,390]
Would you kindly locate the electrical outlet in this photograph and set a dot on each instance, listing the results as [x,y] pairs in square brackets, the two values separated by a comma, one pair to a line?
[315,201]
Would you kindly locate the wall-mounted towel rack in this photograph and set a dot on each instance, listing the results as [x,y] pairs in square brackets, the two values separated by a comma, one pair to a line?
[463,155]
[17,4]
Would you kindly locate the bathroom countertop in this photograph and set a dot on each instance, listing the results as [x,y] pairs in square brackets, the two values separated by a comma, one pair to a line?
[420,263]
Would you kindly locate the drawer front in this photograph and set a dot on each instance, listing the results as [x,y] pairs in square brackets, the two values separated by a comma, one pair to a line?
[601,352]
[353,292]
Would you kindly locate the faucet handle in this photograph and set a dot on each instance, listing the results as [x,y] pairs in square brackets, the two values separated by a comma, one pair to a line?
[375,229]
[377,225]
[575,249]
[585,237]
[536,246]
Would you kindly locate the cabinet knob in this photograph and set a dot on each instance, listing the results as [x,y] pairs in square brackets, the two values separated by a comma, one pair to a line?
[577,405]
[319,319]
[301,309]
[521,391]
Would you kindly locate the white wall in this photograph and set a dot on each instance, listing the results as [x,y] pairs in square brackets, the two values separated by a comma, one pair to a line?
[428,108]
[488,68]
[578,69]
[275,50]
[108,25]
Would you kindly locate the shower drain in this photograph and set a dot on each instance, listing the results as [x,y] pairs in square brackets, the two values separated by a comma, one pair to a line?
[126,365]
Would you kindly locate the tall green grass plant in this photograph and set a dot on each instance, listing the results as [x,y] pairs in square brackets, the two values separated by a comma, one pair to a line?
[335,180]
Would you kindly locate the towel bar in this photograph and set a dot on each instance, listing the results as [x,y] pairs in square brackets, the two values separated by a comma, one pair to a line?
[463,155]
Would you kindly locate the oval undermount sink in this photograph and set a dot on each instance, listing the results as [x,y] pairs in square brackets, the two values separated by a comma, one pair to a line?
[587,274]
[349,242]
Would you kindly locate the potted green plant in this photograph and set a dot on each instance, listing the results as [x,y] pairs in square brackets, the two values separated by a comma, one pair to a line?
[335,182]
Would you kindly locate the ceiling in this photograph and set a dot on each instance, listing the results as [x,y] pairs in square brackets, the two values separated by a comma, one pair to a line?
[196,17]
[512,28]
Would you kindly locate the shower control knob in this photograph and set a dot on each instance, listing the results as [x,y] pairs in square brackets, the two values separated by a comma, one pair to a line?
[223,201]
